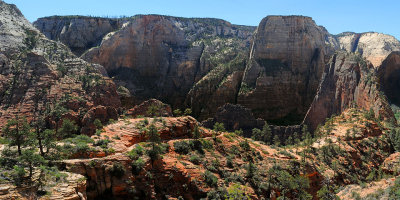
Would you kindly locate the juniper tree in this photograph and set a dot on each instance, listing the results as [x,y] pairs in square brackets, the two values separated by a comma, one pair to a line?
[18,132]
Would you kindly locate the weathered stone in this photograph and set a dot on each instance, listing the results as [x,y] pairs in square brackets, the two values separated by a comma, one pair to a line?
[78,32]
[286,63]
[150,108]
[36,73]
[389,77]
[375,47]
[348,81]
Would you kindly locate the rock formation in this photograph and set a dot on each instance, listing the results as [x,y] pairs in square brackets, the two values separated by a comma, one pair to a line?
[37,74]
[348,81]
[284,69]
[205,63]
[164,57]
[150,108]
[375,47]
[389,77]
[79,33]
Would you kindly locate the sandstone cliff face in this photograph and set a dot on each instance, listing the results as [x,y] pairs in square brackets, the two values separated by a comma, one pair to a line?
[77,32]
[163,57]
[389,77]
[375,47]
[348,81]
[36,73]
[285,65]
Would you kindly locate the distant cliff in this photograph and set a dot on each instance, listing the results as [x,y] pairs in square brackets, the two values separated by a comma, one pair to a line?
[201,63]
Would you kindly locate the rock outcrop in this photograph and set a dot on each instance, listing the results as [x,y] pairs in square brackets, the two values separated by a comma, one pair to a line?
[164,57]
[375,47]
[150,108]
[348,81]
[389,77]
[234,117]
[72,188]
[79,33]
[286,63]
[206,63]
[37,74]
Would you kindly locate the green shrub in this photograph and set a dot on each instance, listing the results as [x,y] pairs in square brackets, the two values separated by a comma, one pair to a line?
[210,179]
[245,145]
[195,159]
[137,166]
[219,127]
[182,147]
[103,143]
[98,124]
[136,152]
[117,170]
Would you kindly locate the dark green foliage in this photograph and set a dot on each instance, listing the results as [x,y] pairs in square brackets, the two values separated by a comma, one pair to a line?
[98,124]
[136,152]
[196,132]
[62,70]
[219,127]
[30,39]
[394,136]
[154,110]
[137,166]
[245,145]
[250,170]
[229,162]
[369,115]
[394,192]
[325,194]
[195,159]
[177,113]
[288,185]
[117,170]
[68,128]
[262,135]
[210,179]
[217,194]
[103,143]
[187,111]
[30,159]
[17,131]
[182,147]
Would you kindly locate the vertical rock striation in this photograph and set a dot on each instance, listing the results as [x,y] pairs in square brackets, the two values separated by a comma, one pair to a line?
[348,81]
[286,62]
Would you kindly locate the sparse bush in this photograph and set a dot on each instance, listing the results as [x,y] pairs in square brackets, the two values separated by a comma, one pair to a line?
[182,147]
[117,170]
[137,166]
[210,179]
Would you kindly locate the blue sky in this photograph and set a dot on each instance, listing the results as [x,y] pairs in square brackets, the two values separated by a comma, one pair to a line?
[336,15]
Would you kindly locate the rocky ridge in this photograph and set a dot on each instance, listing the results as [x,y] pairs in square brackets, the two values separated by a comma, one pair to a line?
[348,81]
[208,62]
[37,73]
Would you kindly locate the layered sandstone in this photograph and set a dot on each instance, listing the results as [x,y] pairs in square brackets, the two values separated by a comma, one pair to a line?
[284,69]
[79,33]
[389,77]
[375,47]
[163,57]
[37,74]
[348,81]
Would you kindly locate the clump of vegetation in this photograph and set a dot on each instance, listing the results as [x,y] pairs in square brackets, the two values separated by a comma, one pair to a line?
[117,170]
[210,179]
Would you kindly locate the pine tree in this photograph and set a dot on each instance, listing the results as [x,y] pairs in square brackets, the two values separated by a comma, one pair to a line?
[18,132]
[154,138]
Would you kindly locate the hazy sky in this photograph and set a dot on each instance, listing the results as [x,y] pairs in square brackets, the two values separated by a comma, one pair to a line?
[336,15]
